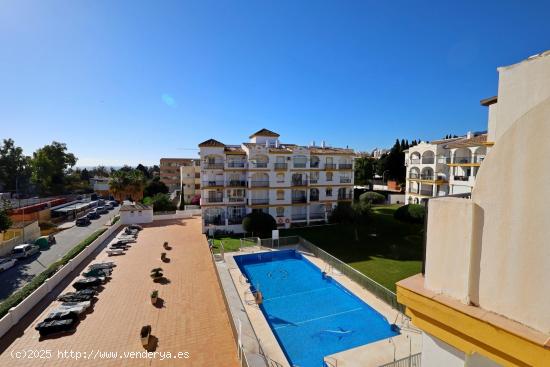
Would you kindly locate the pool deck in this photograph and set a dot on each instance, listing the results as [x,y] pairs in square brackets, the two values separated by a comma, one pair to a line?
[191,318]
[373,354]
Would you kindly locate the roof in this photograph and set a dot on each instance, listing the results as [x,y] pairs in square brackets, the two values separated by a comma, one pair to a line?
[443,141]
[265,132]
[234,150]
[317,150]
[180,160]
[211,143]
[489,101]
[465,142]
[135,206]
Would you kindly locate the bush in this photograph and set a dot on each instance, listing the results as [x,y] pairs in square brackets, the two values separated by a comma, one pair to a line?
[371,197]
[260,223]
[160,203]
[343,213]
[37,281]
[411,213]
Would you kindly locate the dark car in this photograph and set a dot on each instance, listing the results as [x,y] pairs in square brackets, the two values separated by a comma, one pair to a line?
[93,215]
[84,221]
[101,210]
[114,203]
[108,206]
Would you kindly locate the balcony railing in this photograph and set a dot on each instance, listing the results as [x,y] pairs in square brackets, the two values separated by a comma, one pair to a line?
[299,165]
[236,183]
[330,166]
[460,178]
[209,200]
[236,219]
[345,180]
[319,215]
[213,165]
[262,183]
[260,201]
[212,183]
[215,221]
[313,180]
[345,166]
[258,164]
[235,164]
[428,177]
[415,161]
[345,196]
[466,159]
[236,199]
[413,191]
[313,164]
[298,183]
[426,192]
[299,199]
[428,160]
[299,216]
[281,166]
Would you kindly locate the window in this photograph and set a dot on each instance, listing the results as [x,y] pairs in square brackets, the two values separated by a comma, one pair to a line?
[280,212]
[329,176]
[280,177]
[280,195]
[328,192]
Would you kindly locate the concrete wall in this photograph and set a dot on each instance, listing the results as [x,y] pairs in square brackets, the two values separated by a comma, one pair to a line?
[133,217]
[436,353]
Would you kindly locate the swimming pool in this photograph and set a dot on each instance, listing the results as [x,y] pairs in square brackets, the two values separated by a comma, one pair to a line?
[311,317]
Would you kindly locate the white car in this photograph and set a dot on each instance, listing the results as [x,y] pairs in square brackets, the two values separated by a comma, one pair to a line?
[6,263]
[25,250]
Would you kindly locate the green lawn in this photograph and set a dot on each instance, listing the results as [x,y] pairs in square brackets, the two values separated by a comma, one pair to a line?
[387,251]
[229,244]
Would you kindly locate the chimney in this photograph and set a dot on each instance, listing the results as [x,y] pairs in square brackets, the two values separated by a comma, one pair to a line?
[469,135]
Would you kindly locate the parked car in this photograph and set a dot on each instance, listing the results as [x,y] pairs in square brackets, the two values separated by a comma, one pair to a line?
[83,221]
[6,263]
[25,250]
[135,226]
[101,210]
[109,206]
[93,215]
[114,203]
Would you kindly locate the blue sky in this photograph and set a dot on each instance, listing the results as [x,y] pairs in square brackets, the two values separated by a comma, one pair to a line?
[133,81]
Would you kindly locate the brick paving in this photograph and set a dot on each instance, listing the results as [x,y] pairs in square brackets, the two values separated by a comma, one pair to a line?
[192,319]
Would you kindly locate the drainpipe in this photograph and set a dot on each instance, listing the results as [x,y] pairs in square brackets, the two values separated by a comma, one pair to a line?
[425,237]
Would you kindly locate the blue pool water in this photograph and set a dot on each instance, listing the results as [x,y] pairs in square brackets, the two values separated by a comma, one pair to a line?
[311,317]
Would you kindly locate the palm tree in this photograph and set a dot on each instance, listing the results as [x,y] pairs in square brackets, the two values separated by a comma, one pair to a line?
[136,183]
[118,184]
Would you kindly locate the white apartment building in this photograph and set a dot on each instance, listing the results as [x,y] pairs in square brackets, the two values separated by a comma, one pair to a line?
[297,185]
[443,167]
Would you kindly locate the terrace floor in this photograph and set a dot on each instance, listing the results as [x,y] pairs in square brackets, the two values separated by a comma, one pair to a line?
[192,318]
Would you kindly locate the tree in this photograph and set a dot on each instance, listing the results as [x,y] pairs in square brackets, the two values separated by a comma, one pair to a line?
[154,187]
[5,220]
[127,184]
[371,197]
[140,167]
[356,215]
[364,170]
[260,223]
[99,171]
[14,167]
[49,165]
[85,175]
[160,202]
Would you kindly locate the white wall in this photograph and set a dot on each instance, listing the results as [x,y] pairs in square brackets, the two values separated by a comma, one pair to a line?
[436,353]
[136,216]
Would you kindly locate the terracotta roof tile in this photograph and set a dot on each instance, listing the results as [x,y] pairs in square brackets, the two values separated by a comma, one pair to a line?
[211,143]
[265,132]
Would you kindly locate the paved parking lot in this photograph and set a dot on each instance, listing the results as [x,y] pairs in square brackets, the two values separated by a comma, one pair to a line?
[24,270]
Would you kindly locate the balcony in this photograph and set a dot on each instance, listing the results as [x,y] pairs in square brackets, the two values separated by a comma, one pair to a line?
[314,198]
[330,166]
[413,191]
[214,221]
[236,183]
[235,219]
[299,216]
[212,200]
[318,215]
[236,164]
[466,160]
[345,179]
[430,160]
[298,183]
[313,180]
[259,201]
[280,166]
[299,199]
[460,178]
[212,183]
[299,165]
[426,192]
[415,161]
[345,166]
[209,165]
[347,196]
[262,183]
[236,199]
[427,177]
[258,164]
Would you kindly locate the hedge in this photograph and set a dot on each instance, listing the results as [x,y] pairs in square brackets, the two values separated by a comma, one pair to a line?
[17,297]
[412,213]
[372,198]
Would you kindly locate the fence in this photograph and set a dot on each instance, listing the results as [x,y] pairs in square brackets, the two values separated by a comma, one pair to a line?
[372,286]
[250,241]
[410,361]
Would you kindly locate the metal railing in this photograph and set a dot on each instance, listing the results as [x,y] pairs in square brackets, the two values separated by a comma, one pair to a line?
[259,201]
[213,165]
[372,286]
[237,219]
[428,160]
[413,360]
[263,183]
[299,199]
[258,164]
[426,192]
[216,221]
[298,183]
[460,178]
[218,199]
[345,180]
[330,166]
[236,183]
[236,199]
[235,164]
[211,183]
[278,166]
[320,215]
[299,216]
[344,196]
[345,166]
[299,165]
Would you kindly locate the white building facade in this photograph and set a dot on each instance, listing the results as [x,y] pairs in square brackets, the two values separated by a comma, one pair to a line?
[297,185]
[443,167]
